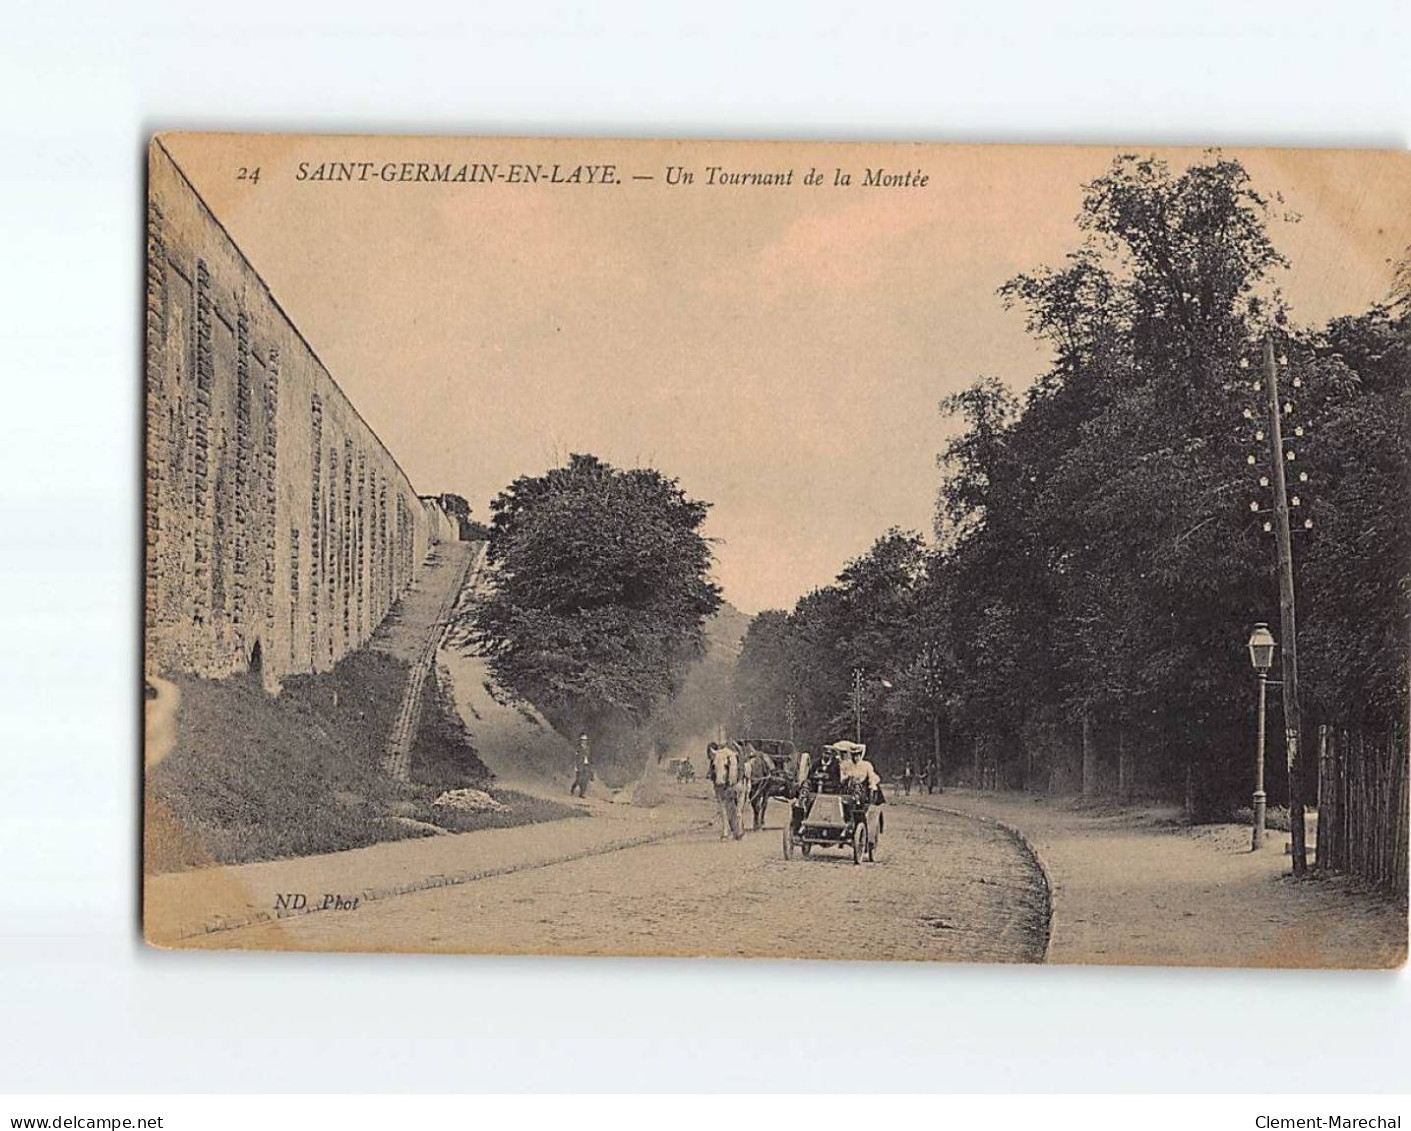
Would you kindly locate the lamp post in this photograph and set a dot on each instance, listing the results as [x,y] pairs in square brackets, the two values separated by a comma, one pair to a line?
[1261,655]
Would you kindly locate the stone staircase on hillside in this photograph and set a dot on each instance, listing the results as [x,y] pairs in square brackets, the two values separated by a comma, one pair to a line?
[397,759]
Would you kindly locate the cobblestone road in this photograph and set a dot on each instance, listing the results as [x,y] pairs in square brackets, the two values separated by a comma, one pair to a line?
[944,887]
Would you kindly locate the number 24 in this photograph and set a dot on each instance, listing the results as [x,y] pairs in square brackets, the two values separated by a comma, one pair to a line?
[251,175]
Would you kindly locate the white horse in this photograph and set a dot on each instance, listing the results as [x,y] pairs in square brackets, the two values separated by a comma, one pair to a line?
[730,777]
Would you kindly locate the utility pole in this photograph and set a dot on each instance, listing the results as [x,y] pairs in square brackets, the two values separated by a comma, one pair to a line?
[1284,543]
[857,704]
[931,675]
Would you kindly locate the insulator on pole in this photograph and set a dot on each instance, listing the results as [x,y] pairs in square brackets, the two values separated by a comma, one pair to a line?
[1250,460]
[1263,481]
[1244,363]
[1289,454]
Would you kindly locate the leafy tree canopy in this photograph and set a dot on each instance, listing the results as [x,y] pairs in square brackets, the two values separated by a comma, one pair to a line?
[1096,559]
[600,587]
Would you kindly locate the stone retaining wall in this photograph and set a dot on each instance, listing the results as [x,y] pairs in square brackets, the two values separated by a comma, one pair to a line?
[279,529]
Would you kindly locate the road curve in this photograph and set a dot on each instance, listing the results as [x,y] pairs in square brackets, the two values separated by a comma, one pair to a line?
[945,887]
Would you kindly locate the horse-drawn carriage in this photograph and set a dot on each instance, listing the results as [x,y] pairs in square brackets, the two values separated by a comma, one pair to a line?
[682,769]
[773,772]
[834,810]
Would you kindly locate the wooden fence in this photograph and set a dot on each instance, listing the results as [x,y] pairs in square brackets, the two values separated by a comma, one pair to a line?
[1363,806]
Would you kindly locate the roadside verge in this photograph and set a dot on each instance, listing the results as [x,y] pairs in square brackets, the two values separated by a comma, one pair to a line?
[183,906]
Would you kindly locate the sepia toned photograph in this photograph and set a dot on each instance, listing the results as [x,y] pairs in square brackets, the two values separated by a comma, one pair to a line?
[771,550]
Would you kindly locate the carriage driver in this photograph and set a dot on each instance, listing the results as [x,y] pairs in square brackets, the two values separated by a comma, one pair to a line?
[800,791]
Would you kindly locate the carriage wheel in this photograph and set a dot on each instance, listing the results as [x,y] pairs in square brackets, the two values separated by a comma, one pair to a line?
[788,843]
[859,842]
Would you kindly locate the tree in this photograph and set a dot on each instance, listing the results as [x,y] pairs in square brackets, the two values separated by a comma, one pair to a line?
[1098,537]
[458,508]
[1097,566]
[599,590]
[1356,563]
[867,619]
[766,673]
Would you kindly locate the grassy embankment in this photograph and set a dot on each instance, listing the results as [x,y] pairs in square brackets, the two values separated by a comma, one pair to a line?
[260,777]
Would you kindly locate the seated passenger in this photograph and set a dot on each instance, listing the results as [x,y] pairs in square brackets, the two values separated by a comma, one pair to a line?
[863,776]
[862,779]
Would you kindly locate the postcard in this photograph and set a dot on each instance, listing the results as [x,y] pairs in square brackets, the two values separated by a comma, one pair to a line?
[777,550]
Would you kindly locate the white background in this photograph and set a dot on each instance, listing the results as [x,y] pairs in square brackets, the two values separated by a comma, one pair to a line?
[83,1006]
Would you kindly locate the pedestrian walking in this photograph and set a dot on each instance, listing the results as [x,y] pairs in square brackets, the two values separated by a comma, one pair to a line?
[582,769]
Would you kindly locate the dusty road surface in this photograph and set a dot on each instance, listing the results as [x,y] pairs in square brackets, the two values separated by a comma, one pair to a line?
[943,887]
[1133,886]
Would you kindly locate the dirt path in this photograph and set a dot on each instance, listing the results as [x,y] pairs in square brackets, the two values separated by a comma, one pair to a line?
[943,888]
[516,744]
[1131,887]
[514,741]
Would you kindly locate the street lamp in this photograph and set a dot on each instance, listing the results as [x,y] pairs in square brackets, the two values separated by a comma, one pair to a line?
[1261,655]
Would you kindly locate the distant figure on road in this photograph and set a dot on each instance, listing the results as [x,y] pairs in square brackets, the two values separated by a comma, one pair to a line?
[908,775]
[582,769]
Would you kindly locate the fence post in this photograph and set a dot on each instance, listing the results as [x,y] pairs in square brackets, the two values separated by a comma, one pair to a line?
[1345,786]
[1403,821]
[1324,800]
[1364,805]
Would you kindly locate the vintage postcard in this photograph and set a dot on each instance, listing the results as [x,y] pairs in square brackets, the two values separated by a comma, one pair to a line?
[772,550]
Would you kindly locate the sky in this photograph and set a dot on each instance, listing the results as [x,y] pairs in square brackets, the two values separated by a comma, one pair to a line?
[782,350]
